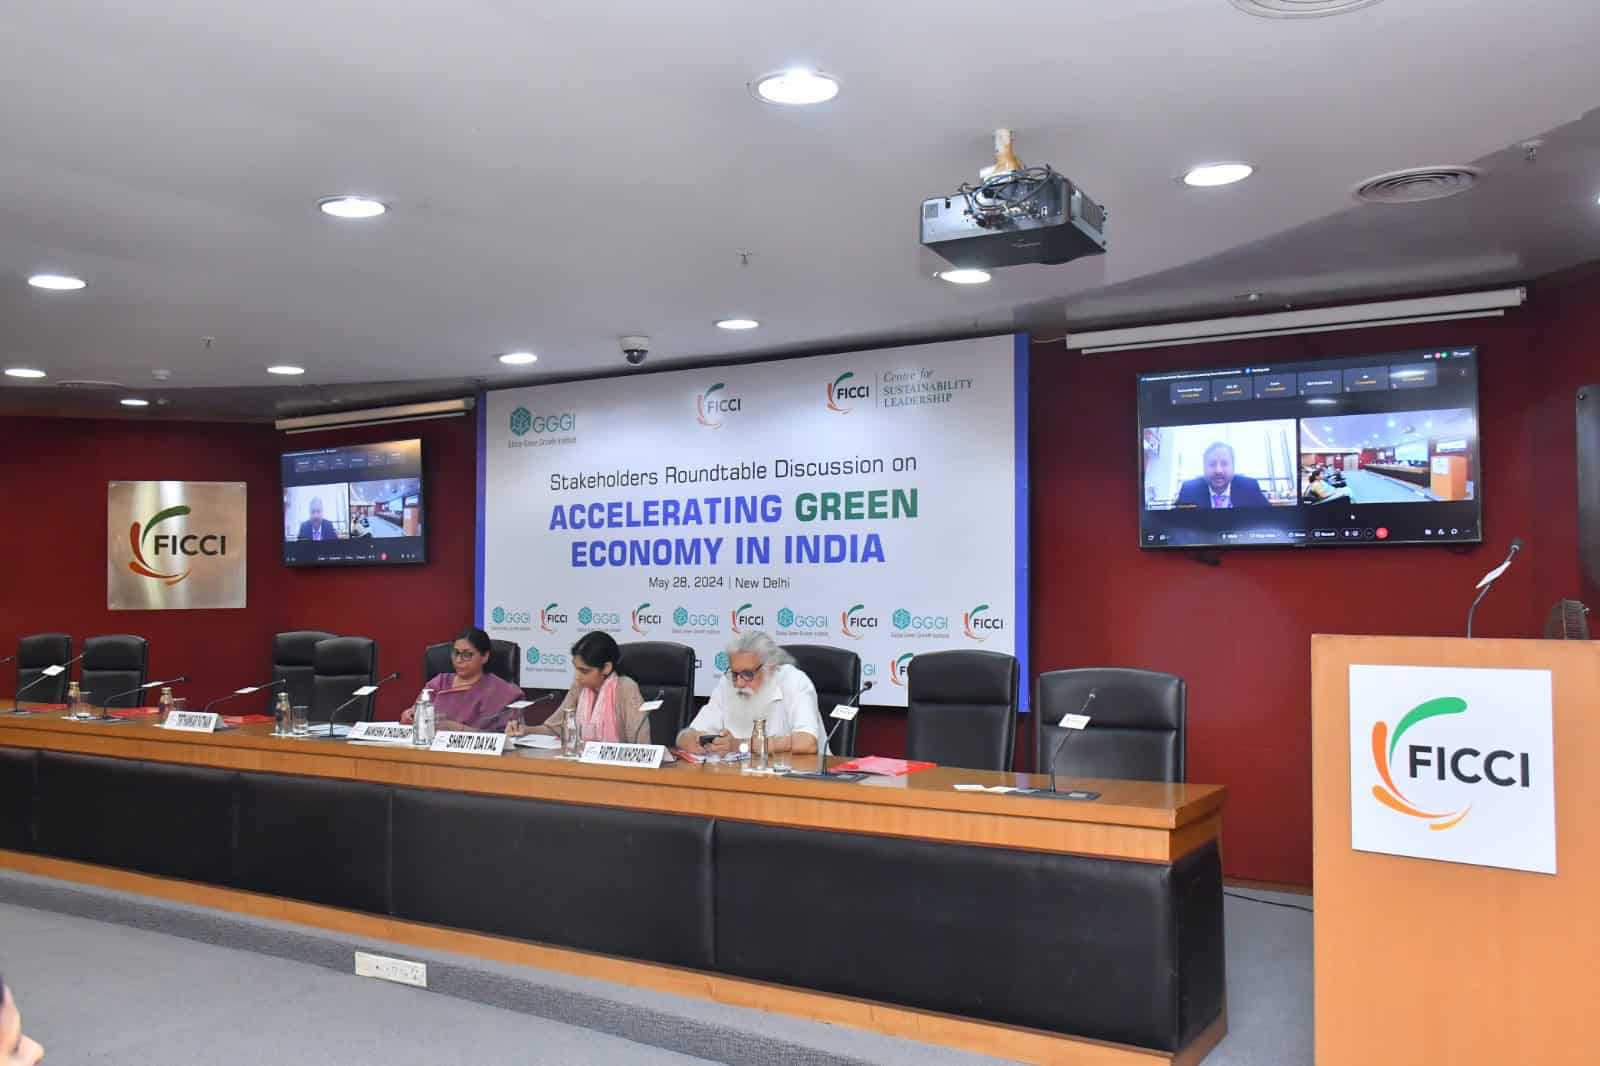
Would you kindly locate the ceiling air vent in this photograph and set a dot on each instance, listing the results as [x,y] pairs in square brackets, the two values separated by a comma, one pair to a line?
[1300,9]
[1416,185]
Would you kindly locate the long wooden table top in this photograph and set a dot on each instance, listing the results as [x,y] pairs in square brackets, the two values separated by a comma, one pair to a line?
[1147,821]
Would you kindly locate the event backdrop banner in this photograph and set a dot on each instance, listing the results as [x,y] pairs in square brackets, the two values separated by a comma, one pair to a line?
[175,545]
[875,501]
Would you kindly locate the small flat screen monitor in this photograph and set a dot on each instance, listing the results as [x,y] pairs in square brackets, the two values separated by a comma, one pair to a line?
[1365,450]
[358,505]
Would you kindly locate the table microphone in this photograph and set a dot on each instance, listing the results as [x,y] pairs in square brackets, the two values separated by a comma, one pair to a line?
[1487,581]
[180,679]
[660,695]
[335,713]
[17,698]
[252,688]
[827,741]
[1092,694]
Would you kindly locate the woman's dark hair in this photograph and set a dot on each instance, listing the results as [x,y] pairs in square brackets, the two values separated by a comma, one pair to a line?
[597,649]
[477,638]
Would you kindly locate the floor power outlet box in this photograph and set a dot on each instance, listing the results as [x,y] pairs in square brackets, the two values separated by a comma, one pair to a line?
[400,971]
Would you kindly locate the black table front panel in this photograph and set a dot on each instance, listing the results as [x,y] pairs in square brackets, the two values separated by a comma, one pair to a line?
[1100,948]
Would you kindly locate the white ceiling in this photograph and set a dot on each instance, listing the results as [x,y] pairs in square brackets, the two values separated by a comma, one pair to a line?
[562,173]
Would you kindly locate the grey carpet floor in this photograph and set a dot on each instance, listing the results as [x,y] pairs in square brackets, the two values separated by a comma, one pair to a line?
[96,991]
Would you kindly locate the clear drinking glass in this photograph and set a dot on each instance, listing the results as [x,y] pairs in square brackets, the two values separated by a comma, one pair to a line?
[300,717]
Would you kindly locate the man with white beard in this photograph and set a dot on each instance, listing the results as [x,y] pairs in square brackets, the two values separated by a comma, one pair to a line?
[762,682]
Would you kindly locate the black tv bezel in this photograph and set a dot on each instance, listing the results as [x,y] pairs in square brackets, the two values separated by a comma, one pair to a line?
[1478,482]
[351,564]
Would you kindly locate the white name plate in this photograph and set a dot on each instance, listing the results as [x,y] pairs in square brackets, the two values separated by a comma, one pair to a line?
[246,690]
[519,705]
[381,733]
[364,690]
[650,705]
[53,671]
[470,743]
[844,712]
[192,721]
[605,753]
[1074,721]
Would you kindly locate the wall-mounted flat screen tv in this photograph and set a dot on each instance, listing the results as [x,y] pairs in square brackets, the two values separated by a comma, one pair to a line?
[1378,449]
[358,505]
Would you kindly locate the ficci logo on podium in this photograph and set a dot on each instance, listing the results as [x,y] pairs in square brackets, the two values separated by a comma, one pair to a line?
[1453,764]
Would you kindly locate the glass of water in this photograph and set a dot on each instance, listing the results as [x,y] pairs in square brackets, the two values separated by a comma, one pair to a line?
[300,716]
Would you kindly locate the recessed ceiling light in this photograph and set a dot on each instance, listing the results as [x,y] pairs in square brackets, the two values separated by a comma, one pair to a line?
[286,370]
[133,401]
[351,206]
[1213,174]
[23,372]
[965,276]
[57,282]
[737,323]
[796,88]
[519,358]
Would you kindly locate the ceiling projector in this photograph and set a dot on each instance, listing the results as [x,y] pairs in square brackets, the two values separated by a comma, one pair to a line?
[1014,215]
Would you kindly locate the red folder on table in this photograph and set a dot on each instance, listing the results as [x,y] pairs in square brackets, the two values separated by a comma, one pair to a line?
[884,766]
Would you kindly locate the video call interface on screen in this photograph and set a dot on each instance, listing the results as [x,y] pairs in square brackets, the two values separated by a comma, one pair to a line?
[1379,449]
[360,504]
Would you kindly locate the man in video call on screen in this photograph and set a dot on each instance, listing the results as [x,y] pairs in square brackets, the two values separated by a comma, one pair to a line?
[1221,489]
[314,528]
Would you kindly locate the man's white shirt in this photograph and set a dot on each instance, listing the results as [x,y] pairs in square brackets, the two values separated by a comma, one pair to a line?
[788,702]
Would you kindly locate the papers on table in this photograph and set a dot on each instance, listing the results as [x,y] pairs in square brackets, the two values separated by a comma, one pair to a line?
[538,740]
[986,788]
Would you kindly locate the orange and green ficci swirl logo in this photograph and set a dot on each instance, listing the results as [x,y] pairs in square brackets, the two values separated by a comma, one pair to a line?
[140,565]
[1383,749]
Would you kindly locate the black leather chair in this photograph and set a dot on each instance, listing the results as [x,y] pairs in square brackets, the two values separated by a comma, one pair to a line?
[33,655]
[961,709]
[836,675]
[1135,730]
[113,665]
[340,666]
[665,671]
[294,663]
[505,660]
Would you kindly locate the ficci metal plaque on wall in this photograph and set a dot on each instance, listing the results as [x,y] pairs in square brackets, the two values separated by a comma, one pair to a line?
[175,545]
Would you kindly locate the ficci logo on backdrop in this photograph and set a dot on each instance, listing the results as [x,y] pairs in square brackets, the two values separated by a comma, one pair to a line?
[710,407]
[174,544]
[744,616]
[549,618]
[978,622]
[643,618]
[898,666]
[853,619]
[840,394]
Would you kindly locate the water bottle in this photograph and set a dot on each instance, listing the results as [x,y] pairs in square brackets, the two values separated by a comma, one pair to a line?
[571,736]
[423,720]
[758,745]
[166,702]
[75,707]
[284,714]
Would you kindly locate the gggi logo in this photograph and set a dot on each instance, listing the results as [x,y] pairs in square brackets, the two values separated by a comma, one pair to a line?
[906,622]
[684,618]
[788,619]
[503,617]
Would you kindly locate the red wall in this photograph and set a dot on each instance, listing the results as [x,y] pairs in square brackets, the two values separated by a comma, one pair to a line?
[56,469]
[1239,633]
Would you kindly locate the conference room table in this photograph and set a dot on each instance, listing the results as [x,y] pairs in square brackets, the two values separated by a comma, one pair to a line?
[1043,930]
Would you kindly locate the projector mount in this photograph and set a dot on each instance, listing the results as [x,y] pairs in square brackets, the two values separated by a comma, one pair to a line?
[1006,191]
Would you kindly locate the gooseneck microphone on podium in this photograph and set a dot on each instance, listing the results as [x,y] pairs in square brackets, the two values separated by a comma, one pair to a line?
[16,699]
[1487,581]
[247,690]
[822,773]
[180,679]
[1056,753]
[358,696]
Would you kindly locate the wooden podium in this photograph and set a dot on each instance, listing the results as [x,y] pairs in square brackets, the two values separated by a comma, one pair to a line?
[1422,962]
